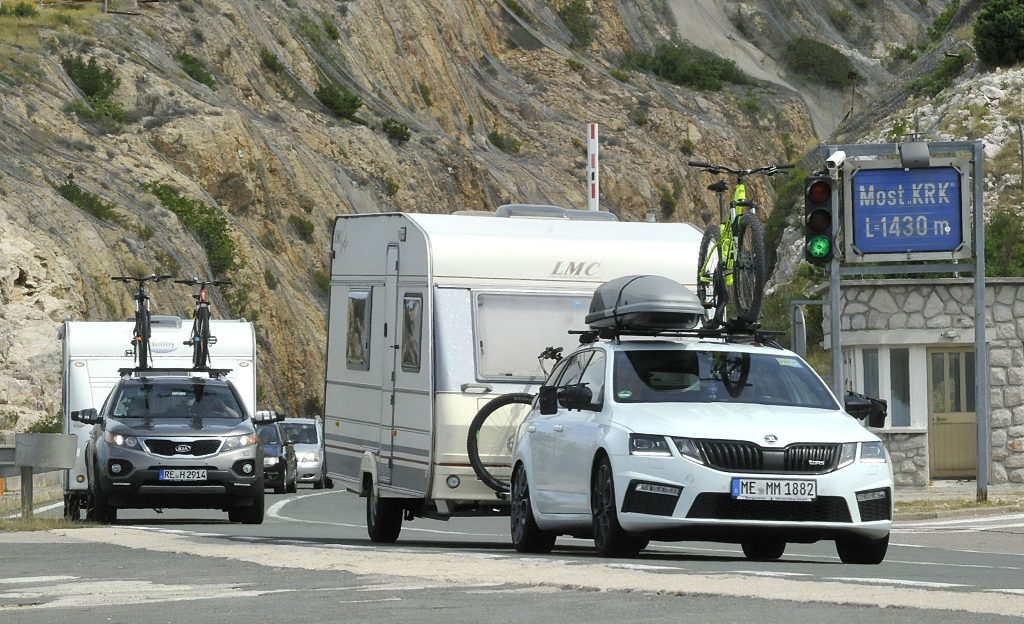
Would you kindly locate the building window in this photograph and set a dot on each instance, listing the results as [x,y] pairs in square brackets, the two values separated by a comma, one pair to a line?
[412,330]
[358,337]
[870,359]
[899,387]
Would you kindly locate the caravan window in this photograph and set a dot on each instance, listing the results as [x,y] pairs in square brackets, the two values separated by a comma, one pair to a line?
[358,349]
[512,328]
[412,330]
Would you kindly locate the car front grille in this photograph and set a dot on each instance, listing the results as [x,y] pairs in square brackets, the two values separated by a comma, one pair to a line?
[173,448]
[724,507]
[737,455]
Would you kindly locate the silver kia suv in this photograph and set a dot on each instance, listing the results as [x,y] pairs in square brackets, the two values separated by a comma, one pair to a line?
[173,441]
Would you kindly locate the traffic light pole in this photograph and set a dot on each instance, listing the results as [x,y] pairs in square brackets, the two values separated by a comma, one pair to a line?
[835,322]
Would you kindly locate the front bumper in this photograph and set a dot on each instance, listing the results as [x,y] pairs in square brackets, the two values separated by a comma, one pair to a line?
[675,499]
[310,472]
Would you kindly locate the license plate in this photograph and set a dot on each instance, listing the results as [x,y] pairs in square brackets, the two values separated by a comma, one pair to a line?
[773,489]
[175,474]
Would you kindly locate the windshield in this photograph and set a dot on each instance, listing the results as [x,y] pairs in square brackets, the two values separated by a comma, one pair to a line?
[268,434]
[184,399]
[691,376]
[300,433]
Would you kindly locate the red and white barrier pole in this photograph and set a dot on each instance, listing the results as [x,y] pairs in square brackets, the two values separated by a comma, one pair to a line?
[593,195]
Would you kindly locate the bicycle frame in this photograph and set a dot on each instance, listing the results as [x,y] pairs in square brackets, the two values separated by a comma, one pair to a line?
[201,339]
[142,331]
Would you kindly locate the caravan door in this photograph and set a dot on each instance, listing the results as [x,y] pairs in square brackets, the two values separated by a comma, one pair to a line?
[391,330]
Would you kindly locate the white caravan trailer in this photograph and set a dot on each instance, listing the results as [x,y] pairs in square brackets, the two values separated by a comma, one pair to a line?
[95,350]
[431,316]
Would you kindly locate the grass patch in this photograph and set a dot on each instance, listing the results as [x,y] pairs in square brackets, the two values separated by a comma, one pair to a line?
[817,62]
[505,142]
[269,60]
[957,504]
[577,18]
[396,130]
[88,202]
[339,100]
[303,227]
[689,66]
[942,75]
[196,70]
[23,30]
[207,223]
[41,524]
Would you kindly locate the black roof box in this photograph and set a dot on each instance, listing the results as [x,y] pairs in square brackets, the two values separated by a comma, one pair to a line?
[644,303]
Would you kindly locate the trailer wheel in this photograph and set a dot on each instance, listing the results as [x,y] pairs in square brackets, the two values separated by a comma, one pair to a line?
[496,440]
[383,517]
[72,507]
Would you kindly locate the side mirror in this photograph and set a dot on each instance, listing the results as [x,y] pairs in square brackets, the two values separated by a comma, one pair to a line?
[548,400]
[575,397]
[88,416]
[863,407]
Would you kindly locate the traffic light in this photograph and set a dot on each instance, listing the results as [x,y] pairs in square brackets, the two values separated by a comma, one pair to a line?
[818,214]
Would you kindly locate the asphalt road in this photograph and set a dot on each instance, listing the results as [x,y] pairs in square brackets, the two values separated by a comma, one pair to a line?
[312,562]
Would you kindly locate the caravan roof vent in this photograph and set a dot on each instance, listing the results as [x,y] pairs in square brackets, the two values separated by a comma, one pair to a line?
[644,303]
[547,211]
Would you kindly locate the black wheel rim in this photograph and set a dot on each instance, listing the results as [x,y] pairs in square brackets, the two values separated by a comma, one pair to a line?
[520,505]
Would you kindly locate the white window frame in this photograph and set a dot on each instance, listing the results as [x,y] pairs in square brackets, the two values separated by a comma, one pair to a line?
[918,365]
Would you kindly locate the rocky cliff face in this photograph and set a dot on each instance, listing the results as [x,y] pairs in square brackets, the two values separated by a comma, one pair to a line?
[257,147]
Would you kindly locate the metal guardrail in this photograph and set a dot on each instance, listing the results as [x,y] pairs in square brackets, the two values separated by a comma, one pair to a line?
[32,453]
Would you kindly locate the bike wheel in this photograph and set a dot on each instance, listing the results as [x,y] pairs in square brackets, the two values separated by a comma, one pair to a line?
[749,268]
[201,351]
[490,446]
[710,282]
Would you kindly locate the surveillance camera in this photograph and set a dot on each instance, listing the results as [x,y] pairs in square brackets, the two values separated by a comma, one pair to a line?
[835,161]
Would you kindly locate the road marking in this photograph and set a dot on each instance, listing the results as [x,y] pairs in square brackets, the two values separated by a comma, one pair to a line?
[897,582]
[35,579]
[35,510]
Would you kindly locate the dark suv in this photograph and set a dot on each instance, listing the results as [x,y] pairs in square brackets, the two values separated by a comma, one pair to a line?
[175,441]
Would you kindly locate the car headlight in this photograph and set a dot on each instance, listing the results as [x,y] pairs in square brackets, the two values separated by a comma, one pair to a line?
[310,458]
[271,461]
[242,441]
[121,440]
[648,445]
[848,454]
[872,453]
[688,449]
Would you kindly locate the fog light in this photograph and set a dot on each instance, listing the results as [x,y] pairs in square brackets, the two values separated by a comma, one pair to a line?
[453,481]
[115,468]
[657,489]
[872,495]
[247,468]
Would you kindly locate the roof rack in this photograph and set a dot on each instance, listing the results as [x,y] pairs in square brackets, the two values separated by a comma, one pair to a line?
[214,373]
[731,332]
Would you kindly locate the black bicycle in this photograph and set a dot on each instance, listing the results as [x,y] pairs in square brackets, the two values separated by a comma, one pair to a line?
[142,330]
[201,338]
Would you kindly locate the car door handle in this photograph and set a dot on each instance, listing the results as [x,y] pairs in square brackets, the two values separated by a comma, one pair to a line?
[531,428]
[558,427]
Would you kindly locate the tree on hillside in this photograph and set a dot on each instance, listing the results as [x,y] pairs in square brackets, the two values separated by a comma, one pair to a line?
[999,32]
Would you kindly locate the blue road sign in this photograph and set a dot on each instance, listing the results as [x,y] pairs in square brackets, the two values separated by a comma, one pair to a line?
[907,210]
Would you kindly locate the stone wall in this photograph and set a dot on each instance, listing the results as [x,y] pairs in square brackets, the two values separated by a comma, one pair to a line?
[941,312]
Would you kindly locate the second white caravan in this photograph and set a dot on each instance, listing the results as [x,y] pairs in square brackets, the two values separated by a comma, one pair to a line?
[432,316]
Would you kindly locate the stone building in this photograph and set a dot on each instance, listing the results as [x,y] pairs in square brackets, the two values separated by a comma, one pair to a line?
[911,342]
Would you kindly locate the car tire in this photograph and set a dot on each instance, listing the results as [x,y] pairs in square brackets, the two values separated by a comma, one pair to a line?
[252,514]
[383,517]
[764,550]
[862,550]
[102,511]
[321,482]
[527,537]
[610,539]
[72,507]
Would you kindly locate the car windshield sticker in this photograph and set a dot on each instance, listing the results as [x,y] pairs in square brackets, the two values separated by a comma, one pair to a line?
[788,362]
[624,394]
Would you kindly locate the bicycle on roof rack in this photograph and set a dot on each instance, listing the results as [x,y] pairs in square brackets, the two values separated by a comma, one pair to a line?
[142,331]
[201,339]
[732,253]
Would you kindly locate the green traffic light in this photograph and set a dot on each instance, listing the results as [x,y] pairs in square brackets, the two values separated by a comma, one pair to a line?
[819,247]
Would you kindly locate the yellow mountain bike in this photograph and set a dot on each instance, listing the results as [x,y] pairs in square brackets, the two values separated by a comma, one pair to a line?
[732,253]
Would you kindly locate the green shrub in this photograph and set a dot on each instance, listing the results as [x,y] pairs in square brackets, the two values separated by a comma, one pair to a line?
[425,94]
[581,24]
[520,11]
[690,66]
[207,223]
[618,74]
[576,65]
[667,202]
[270,61]
[391,187]
[50,423]
[396,130]
[105,113]
[88,202]
[639,115]
[322,281]
[270,279]
[999,33]
[687,147]
[942,75]
[505,142]
[93,80]
[1004,244]
[817,62]
[22,9]
[302,226]
[339,100]
[841,18]
[196,70]
[331,29]
[942,20]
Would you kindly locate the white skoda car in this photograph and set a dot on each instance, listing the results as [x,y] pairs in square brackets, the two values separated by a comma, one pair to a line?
[678,436]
